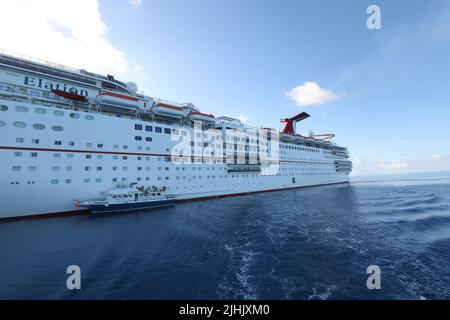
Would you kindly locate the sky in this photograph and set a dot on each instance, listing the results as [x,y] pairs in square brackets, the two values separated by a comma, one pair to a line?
[385,92]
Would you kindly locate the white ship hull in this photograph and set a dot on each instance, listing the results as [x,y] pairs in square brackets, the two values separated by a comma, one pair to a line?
[52,155]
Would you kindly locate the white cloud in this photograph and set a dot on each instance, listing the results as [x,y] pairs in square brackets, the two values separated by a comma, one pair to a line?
[136,4]
[393,165]
[67,32]
[438,157]
[242,118]
[363,166]
[309,93]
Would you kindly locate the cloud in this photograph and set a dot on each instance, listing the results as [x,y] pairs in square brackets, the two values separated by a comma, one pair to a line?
[393,165]
[242,118]
[135,4]
[438,157]
[309,93]
[364,166]
[65,32]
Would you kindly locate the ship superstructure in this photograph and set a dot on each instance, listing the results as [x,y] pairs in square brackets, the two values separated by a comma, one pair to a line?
[70,134]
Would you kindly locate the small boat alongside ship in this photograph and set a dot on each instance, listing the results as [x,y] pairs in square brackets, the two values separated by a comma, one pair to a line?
[129,197]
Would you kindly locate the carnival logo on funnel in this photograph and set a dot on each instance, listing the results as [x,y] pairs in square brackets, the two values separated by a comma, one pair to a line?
[45,84]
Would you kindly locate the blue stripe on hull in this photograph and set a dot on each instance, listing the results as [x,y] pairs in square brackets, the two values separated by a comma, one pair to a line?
[129,206]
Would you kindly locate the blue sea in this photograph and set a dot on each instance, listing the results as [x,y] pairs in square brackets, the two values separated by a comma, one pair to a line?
[313,243]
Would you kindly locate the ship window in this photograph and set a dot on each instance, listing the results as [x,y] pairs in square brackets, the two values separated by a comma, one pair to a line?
[40,110]
[69,168]
[33,154]
[88,156]
[87,168]
[58,113]
[99,145]
[114,179]
[57,128]
[20,140]
[3,108]
[19,124]
[115,146]
[124,157]
[138,138]
[68,181]
[89,144]
[115,157]
[58,143]
[57,155]
[138,126]
[35,141]
[21,109]
[55,168]
[99,168]
[87,180]
[158,129]
[74,115]
[17,154]
[114,168]
[148,139]
[89,117]
[99,156]
[124,168]
[32,168]
[149,128]
[70,155]
[54,181]
[167,130]
[2,123]
[16,168]
[38,126]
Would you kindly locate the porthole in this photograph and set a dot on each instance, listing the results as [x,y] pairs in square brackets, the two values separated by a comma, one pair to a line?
[74,115]
[148,139]
[58,113]
[19,124]
[38,126]
[4,108]
[57,128]
[21,109]
[89,117]
[40,110]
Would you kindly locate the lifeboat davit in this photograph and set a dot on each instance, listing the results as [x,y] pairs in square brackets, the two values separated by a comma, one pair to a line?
[198,116]
[167,110]
[118,100]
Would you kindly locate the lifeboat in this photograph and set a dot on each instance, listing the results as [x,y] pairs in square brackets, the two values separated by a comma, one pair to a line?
[167,110]
[198,116]
[118,100]
[69,95]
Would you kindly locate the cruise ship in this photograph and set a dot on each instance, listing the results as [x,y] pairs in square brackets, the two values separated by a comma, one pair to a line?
[68,135]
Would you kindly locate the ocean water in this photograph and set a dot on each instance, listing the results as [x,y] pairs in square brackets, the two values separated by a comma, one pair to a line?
[311,243]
